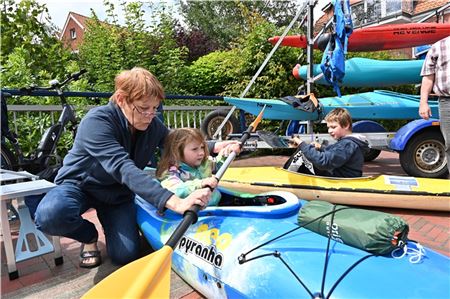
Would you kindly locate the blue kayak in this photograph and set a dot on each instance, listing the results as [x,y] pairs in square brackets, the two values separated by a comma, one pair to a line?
[207,256]
[364,72]
[378,104]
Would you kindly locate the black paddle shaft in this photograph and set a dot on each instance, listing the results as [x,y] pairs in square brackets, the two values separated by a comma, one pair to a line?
[190,216]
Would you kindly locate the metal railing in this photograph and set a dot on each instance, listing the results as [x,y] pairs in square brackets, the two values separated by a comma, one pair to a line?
[174,116]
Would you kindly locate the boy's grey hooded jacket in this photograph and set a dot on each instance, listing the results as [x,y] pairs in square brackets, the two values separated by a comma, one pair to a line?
[345,158]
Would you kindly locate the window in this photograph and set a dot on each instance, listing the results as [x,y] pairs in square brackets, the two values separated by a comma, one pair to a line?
[371,11]
[358,15]
[73,33]
[392,7]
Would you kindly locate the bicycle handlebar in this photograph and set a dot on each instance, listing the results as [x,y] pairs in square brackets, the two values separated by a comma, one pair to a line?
[54,84]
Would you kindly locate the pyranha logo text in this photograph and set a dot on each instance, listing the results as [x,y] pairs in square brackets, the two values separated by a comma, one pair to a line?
[207,244]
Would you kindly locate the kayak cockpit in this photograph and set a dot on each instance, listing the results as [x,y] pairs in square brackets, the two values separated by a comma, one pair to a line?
[274,205]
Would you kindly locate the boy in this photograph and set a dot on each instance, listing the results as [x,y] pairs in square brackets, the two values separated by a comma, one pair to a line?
[344,158]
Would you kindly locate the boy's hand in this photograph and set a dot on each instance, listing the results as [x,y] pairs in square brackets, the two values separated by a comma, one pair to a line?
[295,142]
[317,145]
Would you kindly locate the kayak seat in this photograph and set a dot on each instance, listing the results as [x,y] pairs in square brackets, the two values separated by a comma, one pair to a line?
[307,103]
[253,200]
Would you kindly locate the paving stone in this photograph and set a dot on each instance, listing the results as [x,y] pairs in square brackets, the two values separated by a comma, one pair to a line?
[69,281]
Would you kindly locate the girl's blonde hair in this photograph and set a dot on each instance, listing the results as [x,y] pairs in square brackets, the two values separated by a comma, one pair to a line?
[341,116]
[174,147]
[137,83]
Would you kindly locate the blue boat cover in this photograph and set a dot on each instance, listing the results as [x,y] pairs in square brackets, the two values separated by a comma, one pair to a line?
[333,60]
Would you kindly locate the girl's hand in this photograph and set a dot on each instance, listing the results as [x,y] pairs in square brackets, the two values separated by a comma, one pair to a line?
[210,182]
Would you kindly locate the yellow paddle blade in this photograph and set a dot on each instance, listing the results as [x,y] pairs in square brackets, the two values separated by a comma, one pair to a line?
[147,277]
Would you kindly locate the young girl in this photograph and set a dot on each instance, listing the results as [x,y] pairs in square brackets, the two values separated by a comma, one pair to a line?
[186,166]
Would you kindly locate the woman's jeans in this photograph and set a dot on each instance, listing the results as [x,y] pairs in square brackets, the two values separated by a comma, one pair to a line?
[59,214]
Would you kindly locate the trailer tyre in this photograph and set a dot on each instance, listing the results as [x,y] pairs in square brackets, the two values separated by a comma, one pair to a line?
[424,155]
[213,120]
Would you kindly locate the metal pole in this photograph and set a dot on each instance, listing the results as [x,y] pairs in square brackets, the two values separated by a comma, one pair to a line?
[309,57]
[219,129]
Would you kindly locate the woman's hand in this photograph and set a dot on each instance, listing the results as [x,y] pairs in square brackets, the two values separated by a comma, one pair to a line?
[199,197]
[226,147]
[226,151]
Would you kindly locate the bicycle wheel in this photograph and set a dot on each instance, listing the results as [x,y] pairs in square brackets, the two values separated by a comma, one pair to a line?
[7,158]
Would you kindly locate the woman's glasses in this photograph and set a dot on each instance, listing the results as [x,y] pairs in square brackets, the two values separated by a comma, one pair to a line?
[146,113]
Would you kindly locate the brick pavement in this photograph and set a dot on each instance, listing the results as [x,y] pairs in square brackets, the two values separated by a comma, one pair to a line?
[40,278]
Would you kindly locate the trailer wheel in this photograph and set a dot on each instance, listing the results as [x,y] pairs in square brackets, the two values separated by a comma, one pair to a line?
[424,155]
[213,120]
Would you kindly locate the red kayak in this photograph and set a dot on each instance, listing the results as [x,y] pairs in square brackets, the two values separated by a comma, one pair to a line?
[383,37]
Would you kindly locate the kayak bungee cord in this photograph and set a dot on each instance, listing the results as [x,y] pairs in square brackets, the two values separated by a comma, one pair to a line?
[338,281]
[243,257]
[325,266]
[322,291]
[278,255]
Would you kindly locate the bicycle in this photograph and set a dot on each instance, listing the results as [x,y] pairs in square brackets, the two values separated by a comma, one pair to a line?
[43,162]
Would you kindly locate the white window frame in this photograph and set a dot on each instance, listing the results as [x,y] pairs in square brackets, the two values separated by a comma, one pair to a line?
[73,33]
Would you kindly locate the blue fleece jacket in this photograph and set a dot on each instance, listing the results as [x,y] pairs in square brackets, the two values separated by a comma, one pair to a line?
[107,165]
[345,158]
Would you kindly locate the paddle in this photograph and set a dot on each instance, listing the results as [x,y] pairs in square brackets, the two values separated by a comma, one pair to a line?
[149,277]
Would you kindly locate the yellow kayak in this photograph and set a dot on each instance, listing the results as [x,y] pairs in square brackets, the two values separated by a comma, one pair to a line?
[379,191]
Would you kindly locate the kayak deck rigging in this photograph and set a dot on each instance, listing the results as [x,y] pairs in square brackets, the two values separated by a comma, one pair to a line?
[277,254]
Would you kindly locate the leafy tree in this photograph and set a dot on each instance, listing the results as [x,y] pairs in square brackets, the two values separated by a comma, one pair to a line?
[109,48]
[209,74]
[29,45]
[100,54]
[196,41]
[169,60]
[223,21]
[251,50]
[32,55]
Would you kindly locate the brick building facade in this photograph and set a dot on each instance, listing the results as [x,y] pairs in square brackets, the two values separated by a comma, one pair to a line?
[73,31]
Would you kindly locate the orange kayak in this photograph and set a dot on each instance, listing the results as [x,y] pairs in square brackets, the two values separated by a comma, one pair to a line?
[377,38]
